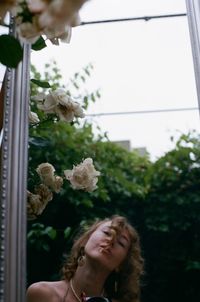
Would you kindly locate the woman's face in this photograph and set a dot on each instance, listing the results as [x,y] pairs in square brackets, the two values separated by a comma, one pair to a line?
[108,250]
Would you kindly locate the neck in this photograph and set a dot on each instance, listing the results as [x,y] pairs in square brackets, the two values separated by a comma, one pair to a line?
[89,280]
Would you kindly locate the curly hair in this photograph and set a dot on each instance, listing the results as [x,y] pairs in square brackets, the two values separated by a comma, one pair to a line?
[129,274]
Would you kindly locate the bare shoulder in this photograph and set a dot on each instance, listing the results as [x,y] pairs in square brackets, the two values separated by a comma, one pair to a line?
[44,291]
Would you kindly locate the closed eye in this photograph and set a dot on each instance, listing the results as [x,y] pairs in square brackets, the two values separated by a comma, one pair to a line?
[122,244]
[106,232]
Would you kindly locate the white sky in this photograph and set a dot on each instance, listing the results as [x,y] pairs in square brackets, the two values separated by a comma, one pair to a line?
[138,65]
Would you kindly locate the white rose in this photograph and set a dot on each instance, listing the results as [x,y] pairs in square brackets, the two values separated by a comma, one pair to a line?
[45,20]
[62,10]
[48,105]
[34,205]
[46,173]
[83,176]
[69,112]
[61,104]
[78,110]
[36,6]
[5,6]
[39,97]
[60,96]
[67,109]
[33,118]
[28,32]
[16,10]
[44,192]
[56,33]
[57,184]
[75,20]
[66,36]
[58,18]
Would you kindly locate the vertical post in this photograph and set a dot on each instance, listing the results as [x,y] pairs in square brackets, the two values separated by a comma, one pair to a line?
[13,182]
[193,13]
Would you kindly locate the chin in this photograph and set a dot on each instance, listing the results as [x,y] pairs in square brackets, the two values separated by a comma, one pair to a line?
[101,260]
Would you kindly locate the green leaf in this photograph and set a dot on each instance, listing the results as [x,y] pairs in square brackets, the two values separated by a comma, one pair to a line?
[50,232]
[88,203]
[39,44]
[11,51]
[193,265]
[30,234]
[93,98]
[67,231]
[42,84]
[38,141]
[45,247]
[98,94]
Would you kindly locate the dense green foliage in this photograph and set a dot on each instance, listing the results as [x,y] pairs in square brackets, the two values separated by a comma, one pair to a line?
[161,200]
[172,224]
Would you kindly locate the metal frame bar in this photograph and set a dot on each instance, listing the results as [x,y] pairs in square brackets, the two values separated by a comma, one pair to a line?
[144,18]
[193,13]
[13,181]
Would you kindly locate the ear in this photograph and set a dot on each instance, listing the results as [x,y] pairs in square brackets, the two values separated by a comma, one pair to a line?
[82,251]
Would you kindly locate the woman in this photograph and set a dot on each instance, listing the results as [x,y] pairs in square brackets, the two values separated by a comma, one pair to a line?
[105,263]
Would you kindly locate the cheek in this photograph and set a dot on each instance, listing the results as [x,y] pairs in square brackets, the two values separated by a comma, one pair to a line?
[122,255]
[92,242]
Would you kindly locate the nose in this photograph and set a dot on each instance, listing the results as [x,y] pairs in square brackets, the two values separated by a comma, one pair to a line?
[112,242]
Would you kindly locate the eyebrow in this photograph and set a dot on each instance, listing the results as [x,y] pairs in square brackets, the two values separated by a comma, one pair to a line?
[106,227]
[125,237]
[122,236]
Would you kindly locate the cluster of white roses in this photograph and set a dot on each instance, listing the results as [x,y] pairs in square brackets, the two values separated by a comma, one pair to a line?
[37,202]
[59,103]
[52,18]
[43,193]
[82,177]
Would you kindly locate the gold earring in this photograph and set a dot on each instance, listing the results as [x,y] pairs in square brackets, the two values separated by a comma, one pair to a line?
[81,260]
[116,286]
[116,281]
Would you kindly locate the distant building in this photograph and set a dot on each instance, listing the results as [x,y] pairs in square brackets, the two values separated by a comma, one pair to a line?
[126,144]
[142,151]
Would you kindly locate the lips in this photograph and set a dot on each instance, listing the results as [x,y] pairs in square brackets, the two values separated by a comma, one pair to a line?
[104,248]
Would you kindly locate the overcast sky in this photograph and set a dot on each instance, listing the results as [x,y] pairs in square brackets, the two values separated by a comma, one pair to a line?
[138,65]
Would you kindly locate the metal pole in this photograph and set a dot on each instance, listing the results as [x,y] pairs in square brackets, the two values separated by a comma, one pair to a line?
[13,182]
[193,12]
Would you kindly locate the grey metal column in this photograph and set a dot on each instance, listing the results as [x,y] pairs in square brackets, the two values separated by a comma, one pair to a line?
[193,13]
[13,182]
